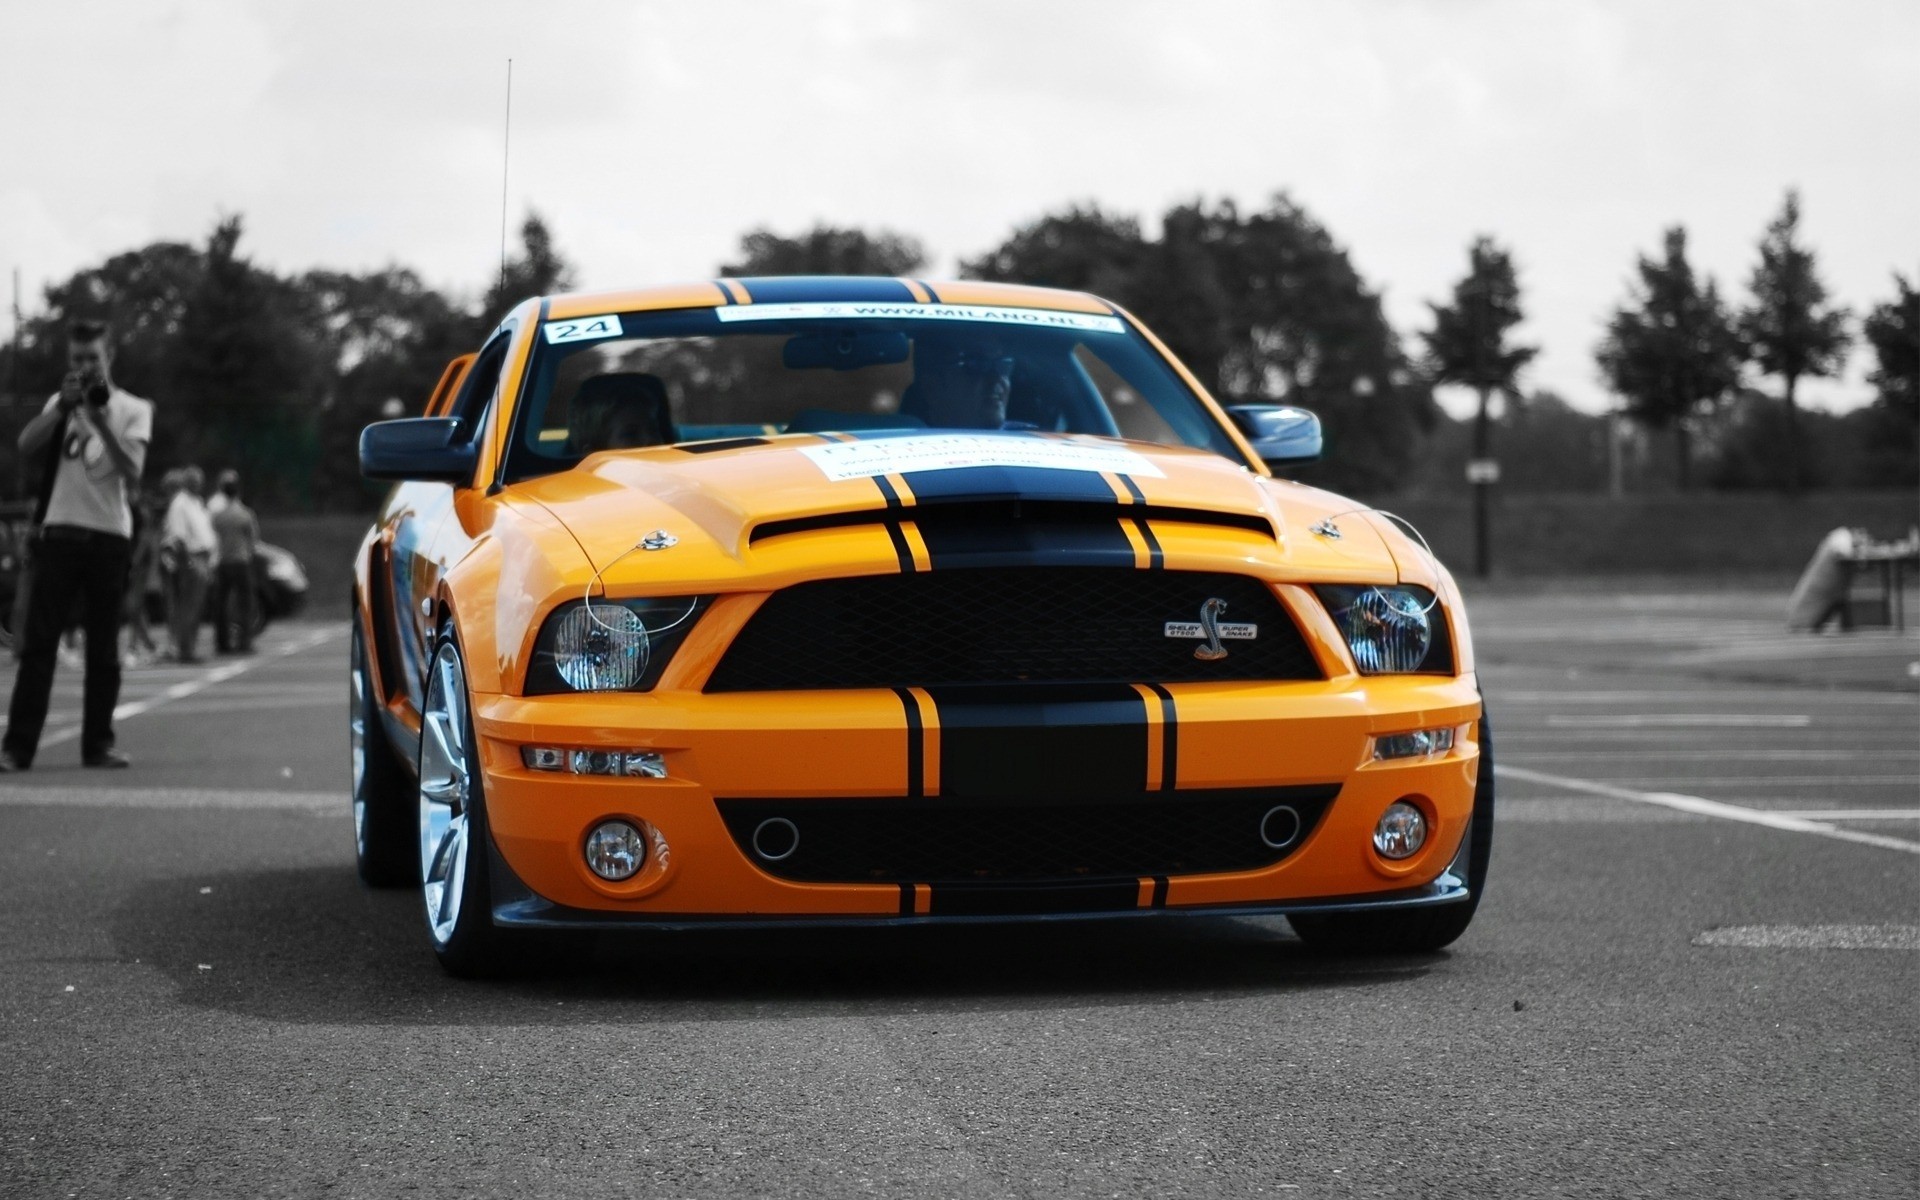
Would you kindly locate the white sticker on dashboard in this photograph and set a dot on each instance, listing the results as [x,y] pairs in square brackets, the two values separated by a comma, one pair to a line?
[952,451]
[979,313]
[582,329]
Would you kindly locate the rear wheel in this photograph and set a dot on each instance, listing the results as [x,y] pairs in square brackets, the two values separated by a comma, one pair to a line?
[384,833]
[1422,929]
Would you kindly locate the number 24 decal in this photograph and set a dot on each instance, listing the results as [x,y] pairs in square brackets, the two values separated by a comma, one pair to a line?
[582,329]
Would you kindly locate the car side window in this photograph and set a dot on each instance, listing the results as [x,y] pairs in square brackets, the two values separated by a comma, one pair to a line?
[481,383]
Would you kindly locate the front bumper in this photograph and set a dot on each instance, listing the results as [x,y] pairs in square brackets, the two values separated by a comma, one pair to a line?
[1193,741]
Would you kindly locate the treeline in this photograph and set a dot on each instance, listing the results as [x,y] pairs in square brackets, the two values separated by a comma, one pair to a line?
[272,374]
[277,374]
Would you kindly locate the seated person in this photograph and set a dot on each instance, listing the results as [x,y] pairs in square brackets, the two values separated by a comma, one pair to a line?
[618,412]
[960,384]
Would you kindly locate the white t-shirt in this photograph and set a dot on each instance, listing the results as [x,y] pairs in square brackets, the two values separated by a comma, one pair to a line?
[87,491]
[189,526]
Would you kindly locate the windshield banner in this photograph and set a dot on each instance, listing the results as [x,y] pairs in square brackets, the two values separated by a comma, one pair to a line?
[951,451]
[1044,318]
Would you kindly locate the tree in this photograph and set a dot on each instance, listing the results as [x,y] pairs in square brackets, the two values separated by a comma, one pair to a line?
[538,270]
[1083,248]
[1893,330]
[1888,430]
[827,250]
[1789,328]
[1671,353]
[1308,330]
[1260,307]
[1468,345]
[250,377]
[388,336]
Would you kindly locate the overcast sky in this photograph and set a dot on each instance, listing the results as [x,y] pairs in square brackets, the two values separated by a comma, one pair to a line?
[353,133]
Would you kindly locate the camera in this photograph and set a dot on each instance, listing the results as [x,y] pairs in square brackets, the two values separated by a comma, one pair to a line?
[93,389]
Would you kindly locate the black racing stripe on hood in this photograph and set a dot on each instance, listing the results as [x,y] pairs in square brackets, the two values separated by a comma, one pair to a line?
[1008,483]
[1008,543]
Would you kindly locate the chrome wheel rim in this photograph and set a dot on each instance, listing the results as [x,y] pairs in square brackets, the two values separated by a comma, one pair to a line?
[445,774]
[357,737]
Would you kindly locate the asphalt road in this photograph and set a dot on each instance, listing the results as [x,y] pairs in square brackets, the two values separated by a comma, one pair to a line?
[1695,973]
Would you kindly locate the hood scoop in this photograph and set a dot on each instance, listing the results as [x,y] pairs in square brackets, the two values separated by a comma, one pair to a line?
[952,513]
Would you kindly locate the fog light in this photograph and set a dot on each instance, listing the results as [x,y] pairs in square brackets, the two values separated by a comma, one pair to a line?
[615,850]
[1421,743]
[1401,832]
[543,758]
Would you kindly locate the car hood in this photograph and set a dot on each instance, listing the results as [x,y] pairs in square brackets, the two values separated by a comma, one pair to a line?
[722,501]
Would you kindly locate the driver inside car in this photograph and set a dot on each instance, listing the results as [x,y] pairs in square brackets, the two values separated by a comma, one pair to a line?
[961,385]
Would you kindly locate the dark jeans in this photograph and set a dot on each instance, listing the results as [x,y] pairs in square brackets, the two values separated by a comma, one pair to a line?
[73,570]
[233,607]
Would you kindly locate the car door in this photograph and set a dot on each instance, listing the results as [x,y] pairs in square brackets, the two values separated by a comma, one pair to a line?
[416,516]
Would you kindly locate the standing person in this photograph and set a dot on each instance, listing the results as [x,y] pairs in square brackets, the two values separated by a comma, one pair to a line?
[190,542]
[96,436]
[238,532]
[140,582]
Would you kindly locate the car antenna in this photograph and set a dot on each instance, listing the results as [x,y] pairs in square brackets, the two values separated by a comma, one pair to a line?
[506,146]
[506,149]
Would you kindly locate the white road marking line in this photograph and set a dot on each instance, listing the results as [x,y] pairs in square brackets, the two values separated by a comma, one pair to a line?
[201,708]
[1851,814]
[1708,808]
[201,683]
[26,796]
[1824,781]
[1641,754]
[1813,937]
[1501,696]
[1683,721]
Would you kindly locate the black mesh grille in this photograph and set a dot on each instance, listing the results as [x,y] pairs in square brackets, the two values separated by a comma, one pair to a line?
[943,841]
[1006,626]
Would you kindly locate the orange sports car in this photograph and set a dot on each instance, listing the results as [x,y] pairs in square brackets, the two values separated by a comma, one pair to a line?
[807,601]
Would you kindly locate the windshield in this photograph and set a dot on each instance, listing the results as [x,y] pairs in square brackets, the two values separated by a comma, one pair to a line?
[621,380]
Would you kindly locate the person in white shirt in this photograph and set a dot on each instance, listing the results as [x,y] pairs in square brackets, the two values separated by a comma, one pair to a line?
[191,545]
[93,437]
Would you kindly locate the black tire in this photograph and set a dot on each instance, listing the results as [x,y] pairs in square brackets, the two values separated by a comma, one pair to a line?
[473,947]
[386,839]
[1419,930]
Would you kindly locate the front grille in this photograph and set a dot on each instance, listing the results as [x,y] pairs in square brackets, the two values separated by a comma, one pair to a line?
[983,841]
[1008,625]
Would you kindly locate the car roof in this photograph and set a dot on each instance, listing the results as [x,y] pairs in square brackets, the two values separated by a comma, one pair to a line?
[821,289]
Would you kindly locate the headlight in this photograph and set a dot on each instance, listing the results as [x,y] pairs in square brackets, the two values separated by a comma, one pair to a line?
[609,645]
[1390,629]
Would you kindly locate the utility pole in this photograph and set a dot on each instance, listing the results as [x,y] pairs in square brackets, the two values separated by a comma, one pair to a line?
[13,343]
[1483,472]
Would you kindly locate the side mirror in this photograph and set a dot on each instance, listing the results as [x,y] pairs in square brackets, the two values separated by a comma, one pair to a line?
[1282,436]
[427,449]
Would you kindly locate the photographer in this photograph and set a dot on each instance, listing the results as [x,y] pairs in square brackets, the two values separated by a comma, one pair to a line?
[94,438]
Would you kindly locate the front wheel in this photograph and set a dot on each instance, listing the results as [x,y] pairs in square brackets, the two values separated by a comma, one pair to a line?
[1425,929]
[453,825]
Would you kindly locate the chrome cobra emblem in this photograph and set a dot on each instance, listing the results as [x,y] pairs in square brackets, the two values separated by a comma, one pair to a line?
[1213,629]
[1326,529]
[1210,622]
[659,539]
